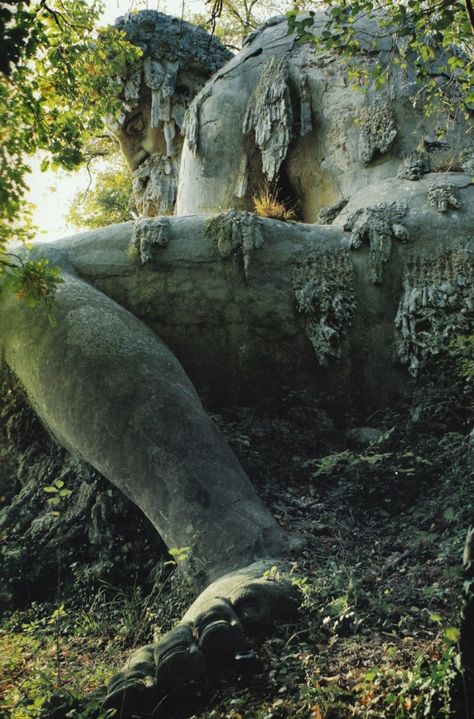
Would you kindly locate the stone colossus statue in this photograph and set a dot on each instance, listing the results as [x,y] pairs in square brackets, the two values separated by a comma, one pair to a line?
[346,301]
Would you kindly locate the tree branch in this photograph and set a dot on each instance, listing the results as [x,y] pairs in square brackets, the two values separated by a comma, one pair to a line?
[470,13]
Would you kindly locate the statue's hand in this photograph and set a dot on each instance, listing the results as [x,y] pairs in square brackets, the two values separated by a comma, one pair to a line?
[211,638]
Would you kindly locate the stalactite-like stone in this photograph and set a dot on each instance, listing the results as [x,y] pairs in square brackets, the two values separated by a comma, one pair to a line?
[467,160]
[442,197]
[414,166]
[149,236]
[378,225]
[328,214]
[169,132]
[324,292]
[306,123]
[155,184]
[436,306]
[269,115]
[191,120]
[236,233]
[378,129]
[131,91]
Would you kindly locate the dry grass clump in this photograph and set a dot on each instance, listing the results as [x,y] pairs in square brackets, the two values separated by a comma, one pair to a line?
[267,204]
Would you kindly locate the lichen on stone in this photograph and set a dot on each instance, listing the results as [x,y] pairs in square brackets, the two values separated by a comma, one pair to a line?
[377,226]
[414,166]
[149,236]
[242,179]
[169,45]
[236,233]
[328,214]
[306,123]
[269,115]
[155,184]
[443,196]
[436,306]
[467,159]
[192,118]
[324,290]
[378,129]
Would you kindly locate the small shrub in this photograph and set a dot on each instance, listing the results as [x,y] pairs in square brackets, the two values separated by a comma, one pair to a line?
[267,204]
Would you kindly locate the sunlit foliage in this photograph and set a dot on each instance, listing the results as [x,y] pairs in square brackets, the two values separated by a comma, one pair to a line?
[54,95]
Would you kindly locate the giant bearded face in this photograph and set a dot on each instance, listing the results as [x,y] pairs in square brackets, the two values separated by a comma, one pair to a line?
[178,59]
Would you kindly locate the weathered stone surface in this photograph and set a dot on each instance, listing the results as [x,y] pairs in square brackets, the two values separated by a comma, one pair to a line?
[269,115]
[320,139]
[148,237]
[89,534]
[437,304]
[377,225]
[378,129]
[443,197]
[178,58]
[324,291]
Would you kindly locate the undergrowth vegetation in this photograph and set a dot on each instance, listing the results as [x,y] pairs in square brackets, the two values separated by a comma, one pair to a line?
[268,204]
[385,513]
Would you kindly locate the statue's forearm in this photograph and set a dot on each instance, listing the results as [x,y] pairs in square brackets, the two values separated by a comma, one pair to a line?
[110,391]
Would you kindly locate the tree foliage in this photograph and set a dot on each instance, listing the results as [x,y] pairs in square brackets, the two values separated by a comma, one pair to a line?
[434,39]
[232,20]
[54,95]
[108,201]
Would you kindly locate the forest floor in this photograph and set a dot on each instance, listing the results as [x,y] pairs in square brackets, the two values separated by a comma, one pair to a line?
[385,513]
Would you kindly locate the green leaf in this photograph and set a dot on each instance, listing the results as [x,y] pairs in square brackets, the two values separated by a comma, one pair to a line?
[452,634]
[50,489]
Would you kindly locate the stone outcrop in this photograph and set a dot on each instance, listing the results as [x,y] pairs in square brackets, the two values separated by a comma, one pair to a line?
[283,111]
[219,302]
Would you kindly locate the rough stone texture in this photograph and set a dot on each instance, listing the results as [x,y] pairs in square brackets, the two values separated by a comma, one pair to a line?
[378,225]
[378,129]
[191,123]
[414,166]
[269,115]
[443,197]
[155,184]
[327,215]
[437,305]
[324,291]
[341,140]
[467,159]
[149,236]
[169,46]
[236,233]
[95,531]
[178,58]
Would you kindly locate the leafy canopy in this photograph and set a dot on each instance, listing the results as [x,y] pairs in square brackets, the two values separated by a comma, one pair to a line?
[54,95]
[108,201]
[433,37]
